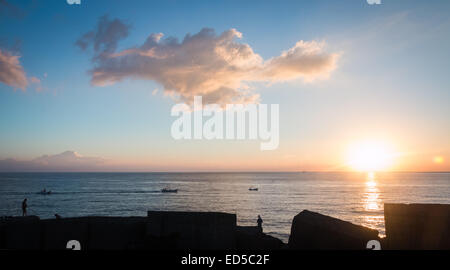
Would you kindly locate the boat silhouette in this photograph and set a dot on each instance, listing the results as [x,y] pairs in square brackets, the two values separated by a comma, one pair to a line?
[168,190]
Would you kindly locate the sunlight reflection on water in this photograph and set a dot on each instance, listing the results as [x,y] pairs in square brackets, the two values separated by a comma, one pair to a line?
[372,203]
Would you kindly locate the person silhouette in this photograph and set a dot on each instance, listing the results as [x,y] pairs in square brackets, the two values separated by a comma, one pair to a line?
[260,221]
[24,207]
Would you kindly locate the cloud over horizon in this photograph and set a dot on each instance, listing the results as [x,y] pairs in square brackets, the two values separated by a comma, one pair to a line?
[11,71]
[66,161]
[217,67]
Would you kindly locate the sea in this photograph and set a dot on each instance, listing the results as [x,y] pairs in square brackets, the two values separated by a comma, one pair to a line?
[351,196]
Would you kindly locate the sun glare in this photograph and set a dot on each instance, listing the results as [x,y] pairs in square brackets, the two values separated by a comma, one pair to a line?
[370,156]
[438,160]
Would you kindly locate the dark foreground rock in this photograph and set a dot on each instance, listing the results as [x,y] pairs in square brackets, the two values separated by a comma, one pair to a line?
[20,233]
[159,230]
[312,230]
[251,238]
[198,230]
[417,226]
[414,226]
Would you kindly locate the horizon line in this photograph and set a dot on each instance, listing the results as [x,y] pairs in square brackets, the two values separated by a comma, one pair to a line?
[223,171]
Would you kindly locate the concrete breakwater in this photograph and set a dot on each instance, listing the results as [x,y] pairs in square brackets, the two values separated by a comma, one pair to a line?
[211,230]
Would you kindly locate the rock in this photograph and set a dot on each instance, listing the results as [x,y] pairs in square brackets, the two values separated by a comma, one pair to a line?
[58,232]
[417,226]
[21,233]
[191,230]
[250,238]
[160,230]
[116,233]
[312,230]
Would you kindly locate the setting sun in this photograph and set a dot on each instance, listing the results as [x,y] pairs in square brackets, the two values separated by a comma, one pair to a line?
[438,159]
[370,156]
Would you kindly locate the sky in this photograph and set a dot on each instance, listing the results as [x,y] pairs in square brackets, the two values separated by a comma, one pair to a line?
[90,87]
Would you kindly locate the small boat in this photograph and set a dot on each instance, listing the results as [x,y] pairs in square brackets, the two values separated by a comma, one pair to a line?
[44,192]
[253,189]
[167,190]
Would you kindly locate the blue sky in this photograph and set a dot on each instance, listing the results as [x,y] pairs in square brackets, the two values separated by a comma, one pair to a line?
[390,83]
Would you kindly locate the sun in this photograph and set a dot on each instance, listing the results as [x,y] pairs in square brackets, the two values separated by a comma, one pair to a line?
[370,156]
[438,159]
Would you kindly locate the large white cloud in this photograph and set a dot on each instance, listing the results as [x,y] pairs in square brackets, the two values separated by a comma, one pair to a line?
[11,72]
[218,67]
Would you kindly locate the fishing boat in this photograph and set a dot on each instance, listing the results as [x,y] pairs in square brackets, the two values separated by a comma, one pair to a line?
[45,192]
[253,189]
[168,190]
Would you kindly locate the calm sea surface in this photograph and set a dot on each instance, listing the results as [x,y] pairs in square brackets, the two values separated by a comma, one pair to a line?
[355,197]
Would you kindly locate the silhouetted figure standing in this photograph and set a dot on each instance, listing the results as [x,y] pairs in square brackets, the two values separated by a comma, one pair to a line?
[24,207]
[260,221]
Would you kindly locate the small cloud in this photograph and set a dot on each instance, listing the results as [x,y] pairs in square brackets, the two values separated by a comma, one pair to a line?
[217,67]
[35,80]
[11,71]
[306,60]
[105,37]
